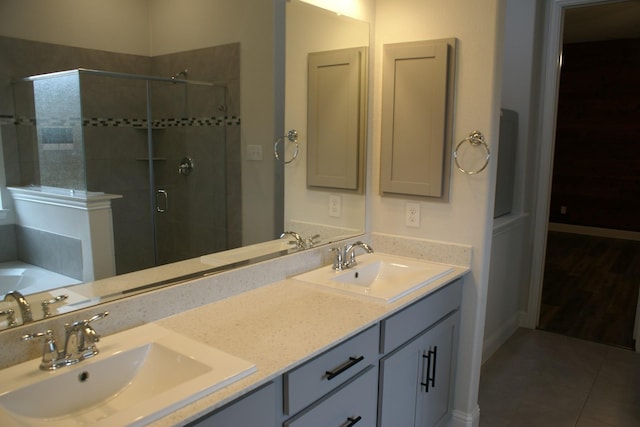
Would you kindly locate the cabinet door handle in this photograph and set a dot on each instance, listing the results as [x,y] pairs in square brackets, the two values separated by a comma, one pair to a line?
[340,369]
[430,378]
[351,421]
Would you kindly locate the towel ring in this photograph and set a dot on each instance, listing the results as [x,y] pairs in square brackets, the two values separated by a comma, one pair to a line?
[292,136]
[476,139]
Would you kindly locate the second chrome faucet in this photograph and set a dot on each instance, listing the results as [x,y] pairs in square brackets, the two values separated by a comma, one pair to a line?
[345,255]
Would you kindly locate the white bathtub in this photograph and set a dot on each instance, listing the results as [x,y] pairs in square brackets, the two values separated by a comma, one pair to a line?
[29,279]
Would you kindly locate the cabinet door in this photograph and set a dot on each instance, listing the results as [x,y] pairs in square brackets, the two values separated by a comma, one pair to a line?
[435,393]
[415,380]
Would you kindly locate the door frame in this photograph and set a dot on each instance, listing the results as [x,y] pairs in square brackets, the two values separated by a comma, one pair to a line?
[550,83]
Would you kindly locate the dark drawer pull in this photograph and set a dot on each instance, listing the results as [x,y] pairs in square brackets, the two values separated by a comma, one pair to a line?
[353,421]
[430,379]
[340,369]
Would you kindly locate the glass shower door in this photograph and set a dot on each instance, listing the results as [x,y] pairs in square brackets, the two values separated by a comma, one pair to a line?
[190,170]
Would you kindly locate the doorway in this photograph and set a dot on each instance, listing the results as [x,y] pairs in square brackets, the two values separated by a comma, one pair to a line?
[589,284]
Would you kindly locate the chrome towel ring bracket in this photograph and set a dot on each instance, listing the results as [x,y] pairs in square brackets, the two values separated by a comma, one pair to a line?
[475,139]
[292,136]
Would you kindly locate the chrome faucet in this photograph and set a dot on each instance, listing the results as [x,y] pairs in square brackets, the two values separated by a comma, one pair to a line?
[46,303]
[346,255]
[301,242]
[11,319]
[23,305]
[79,344]
[298,240]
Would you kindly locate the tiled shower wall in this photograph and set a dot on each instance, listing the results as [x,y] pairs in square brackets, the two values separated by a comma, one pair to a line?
[201,204]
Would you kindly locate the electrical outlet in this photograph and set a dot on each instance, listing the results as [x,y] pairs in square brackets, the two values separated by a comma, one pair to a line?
[254,152]
[563,210]
[334,206]
[412,215]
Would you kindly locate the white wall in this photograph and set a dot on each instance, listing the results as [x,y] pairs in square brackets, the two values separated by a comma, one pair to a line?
[467,217]
[114,25]
[512,249]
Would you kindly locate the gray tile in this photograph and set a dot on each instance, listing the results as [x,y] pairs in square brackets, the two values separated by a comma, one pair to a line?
[541,379]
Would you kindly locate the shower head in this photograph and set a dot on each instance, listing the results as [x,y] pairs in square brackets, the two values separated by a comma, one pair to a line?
[179,74]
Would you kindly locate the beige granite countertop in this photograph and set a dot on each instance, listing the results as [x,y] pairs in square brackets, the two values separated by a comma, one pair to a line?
[278,327]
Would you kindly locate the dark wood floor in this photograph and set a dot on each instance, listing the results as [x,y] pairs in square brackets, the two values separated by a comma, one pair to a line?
[590,288]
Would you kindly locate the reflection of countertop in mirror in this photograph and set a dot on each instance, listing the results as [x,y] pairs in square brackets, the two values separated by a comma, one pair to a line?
[130,283]
[277,327]
[248,252]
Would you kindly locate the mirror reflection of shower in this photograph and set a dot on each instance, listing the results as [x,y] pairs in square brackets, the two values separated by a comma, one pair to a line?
[125,135]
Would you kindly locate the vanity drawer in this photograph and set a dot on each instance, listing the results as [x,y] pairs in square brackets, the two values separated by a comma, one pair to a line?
[414,319]
[353,403]
[319,376]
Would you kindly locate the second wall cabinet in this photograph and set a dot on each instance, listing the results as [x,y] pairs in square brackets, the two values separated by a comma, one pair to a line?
[417,100]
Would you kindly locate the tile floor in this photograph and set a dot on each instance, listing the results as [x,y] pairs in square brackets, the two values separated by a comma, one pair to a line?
[541,379]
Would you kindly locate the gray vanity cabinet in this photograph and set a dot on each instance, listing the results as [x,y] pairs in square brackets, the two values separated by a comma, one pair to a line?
[339,387]
[255,409]
[419,345]
[416,379]
[397,373]
[352,403]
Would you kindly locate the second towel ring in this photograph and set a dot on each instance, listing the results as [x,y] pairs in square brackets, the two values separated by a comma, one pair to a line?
[475,138]
[292,136]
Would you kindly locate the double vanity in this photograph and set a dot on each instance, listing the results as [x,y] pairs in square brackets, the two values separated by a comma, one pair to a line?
[371,344]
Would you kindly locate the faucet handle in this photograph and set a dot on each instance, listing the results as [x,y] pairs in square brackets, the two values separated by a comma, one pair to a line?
[85,327]
[50,355]
[11,318]
[86,322]
[338,261]
[310,242]
[48,302]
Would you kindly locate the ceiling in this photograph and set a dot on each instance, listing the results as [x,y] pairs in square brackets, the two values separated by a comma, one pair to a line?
[610,21]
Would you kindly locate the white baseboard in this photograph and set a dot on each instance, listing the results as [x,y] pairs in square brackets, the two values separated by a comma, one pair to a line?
[594,231]
[465,419]
[498,337]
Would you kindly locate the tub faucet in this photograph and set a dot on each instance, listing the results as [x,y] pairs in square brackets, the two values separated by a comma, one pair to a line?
[23,305]
[346,255]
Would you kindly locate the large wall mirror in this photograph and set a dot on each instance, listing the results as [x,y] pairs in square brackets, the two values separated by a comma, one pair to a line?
[137,138]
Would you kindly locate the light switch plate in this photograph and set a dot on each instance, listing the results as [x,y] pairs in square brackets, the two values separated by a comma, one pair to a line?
[254,152]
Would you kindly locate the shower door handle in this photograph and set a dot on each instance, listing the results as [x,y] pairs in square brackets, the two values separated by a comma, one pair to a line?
[162,201]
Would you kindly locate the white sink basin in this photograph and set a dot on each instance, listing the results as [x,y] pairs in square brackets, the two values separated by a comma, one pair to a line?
[380,276]
[139,375]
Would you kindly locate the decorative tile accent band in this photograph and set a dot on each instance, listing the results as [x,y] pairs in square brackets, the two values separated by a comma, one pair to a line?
[124,122]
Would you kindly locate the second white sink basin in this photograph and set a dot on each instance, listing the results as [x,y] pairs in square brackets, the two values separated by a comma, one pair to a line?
[139,375]
[380,276]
